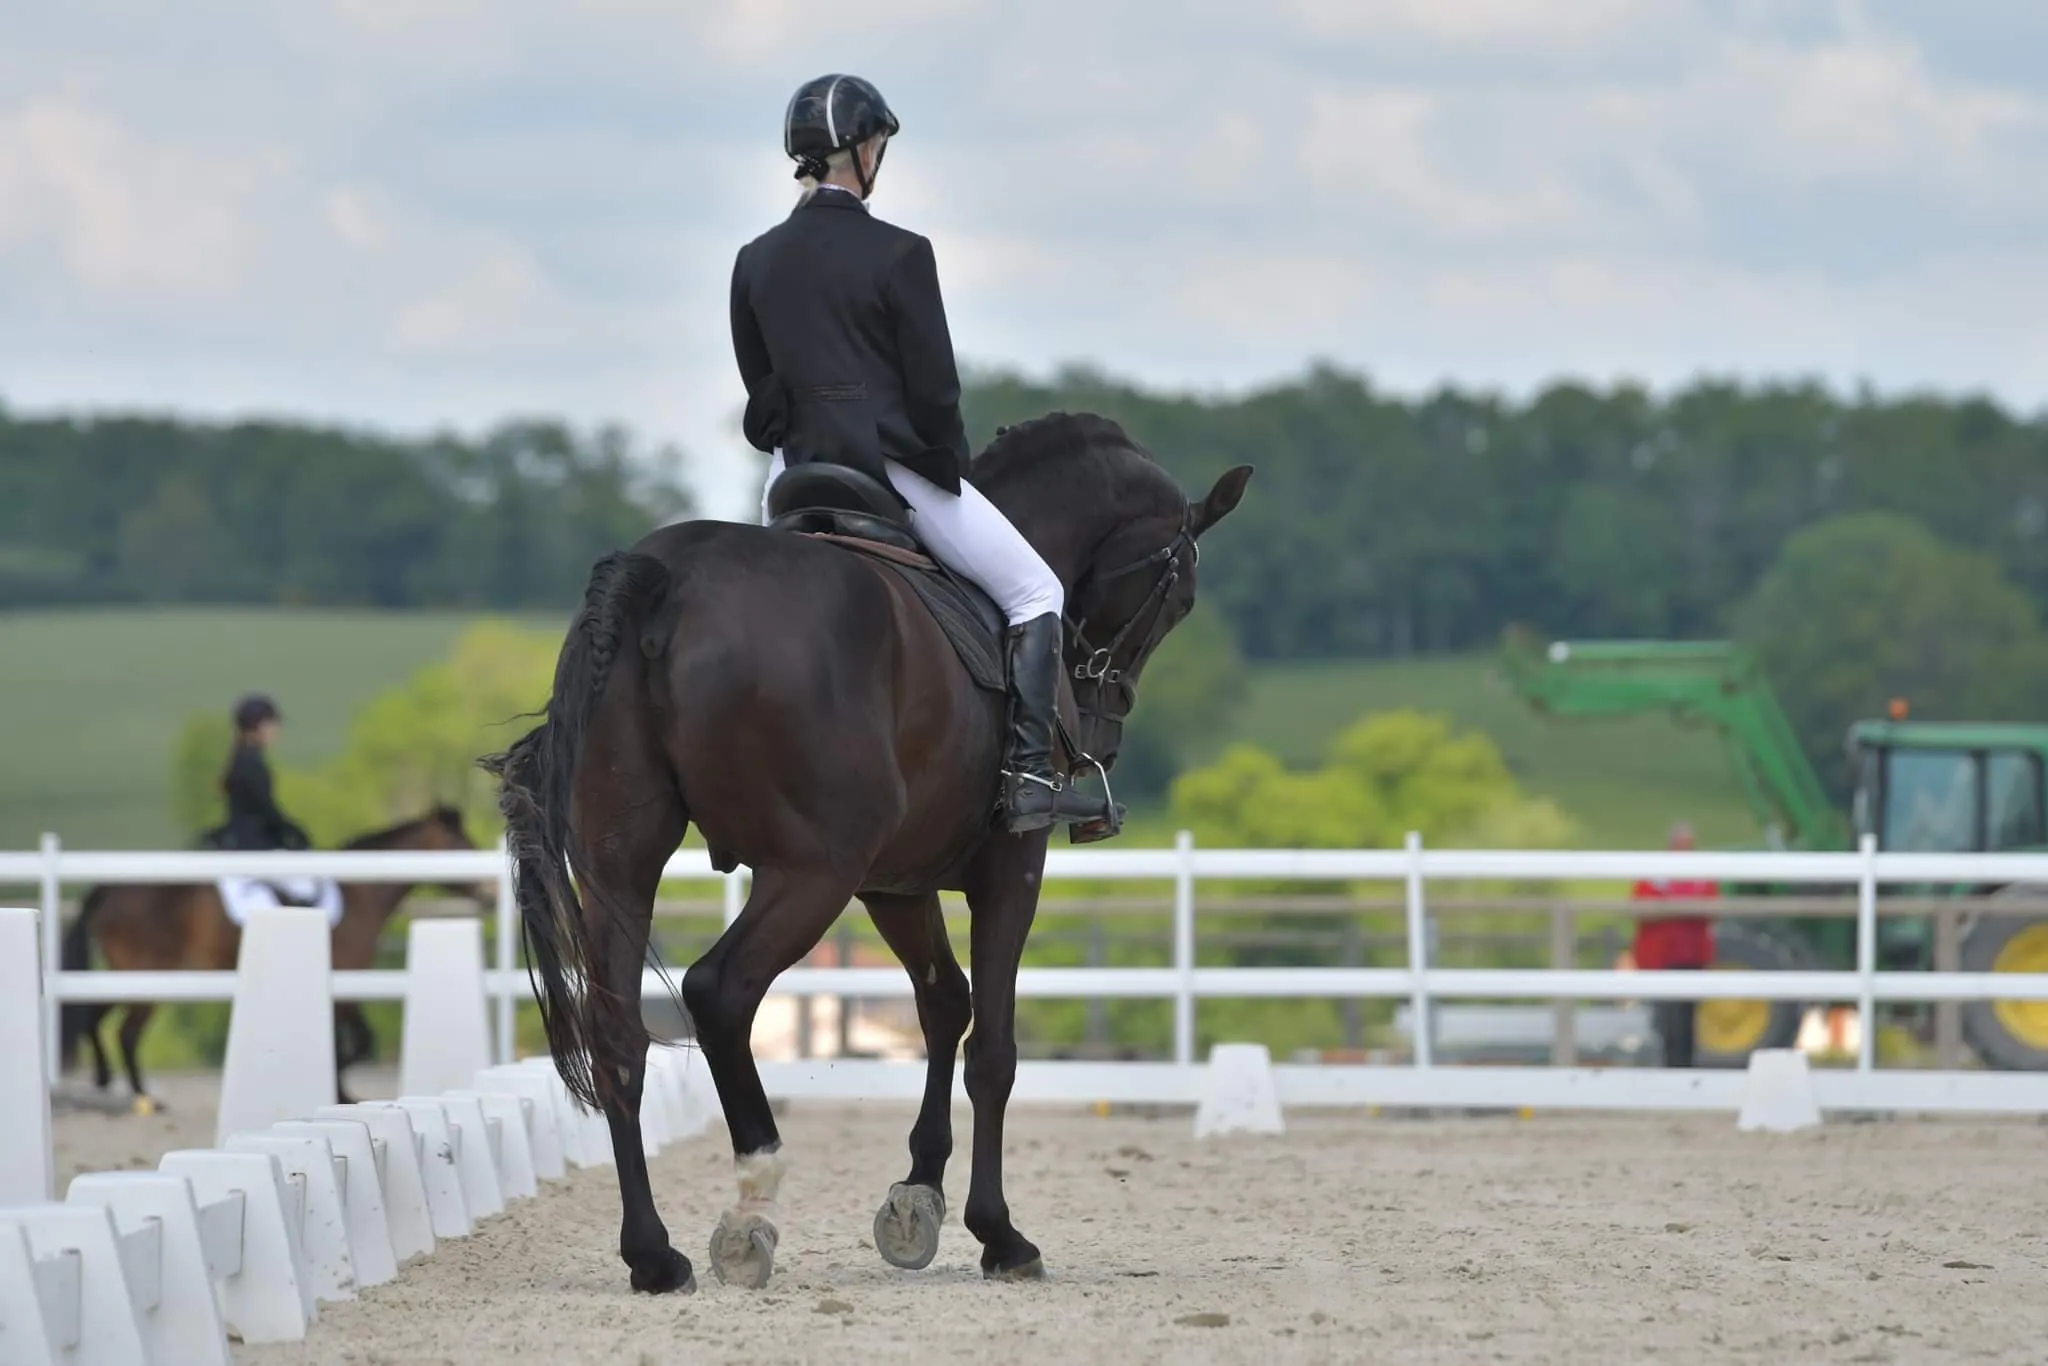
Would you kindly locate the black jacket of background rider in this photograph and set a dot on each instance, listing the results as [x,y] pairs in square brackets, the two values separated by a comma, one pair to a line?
[254,820]
[841,337]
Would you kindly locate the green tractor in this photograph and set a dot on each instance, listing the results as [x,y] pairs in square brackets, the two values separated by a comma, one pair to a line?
[1919,786]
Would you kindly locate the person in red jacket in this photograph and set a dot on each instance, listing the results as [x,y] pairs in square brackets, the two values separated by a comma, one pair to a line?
[1674,943]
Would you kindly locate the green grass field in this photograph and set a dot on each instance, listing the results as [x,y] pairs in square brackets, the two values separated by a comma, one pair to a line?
[1623,781]
[90,704]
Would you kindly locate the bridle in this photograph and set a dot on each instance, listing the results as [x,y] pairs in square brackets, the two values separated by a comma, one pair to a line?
[1110,694]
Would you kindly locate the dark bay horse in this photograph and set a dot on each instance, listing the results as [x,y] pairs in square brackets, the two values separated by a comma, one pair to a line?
[171,926]
[800,704]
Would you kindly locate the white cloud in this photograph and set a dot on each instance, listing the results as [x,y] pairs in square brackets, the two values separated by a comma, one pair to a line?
[125,216]
[1513,24]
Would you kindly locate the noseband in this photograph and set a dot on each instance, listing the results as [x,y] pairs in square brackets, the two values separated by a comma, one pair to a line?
[1109,694]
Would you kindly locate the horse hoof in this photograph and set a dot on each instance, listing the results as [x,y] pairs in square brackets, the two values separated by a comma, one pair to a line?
[743,1249]
[907,1226]
[1033,1270]
[668,1274]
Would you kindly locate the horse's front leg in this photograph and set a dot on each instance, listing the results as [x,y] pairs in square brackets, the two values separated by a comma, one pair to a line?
[907,1226]
[1002,894]
[786,914]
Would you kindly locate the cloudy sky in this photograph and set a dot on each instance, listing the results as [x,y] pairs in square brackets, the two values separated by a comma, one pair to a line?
[409,213]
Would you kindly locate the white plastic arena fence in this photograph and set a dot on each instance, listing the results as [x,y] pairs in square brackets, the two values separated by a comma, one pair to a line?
[1419,1083]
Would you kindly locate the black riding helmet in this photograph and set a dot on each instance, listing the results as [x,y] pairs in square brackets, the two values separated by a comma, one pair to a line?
[830,114]
[253,710]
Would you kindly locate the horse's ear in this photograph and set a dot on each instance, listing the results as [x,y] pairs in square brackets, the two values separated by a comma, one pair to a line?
[1223,498]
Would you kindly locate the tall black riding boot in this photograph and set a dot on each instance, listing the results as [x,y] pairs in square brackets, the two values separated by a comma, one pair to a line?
[1034,796]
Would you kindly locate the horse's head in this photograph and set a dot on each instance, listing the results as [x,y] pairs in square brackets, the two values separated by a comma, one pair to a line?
[1123,538]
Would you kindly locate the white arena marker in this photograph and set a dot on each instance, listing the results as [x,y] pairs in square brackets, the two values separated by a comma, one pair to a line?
[446,1035]
[406,1213]
[569,1121]
[266,1293]
[514,1116]
[184,1324]
[324,1228]
[1777,1093]
[544,1135]
[25,1175]
[280,1056]
[24,1336]
[108,1329]
[474,1159]
[362,1194]
[593,1133]
[1238,1094]
[438,1169]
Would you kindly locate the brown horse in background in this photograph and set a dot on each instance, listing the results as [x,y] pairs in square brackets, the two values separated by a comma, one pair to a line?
[184,926]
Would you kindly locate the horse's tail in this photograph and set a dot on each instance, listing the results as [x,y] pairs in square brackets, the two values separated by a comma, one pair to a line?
[75,955]
[536,779]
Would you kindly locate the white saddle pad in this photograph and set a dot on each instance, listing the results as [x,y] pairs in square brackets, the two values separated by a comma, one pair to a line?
[241,895]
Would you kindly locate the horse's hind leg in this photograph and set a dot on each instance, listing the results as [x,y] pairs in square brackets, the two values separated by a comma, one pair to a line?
[621,862]
[785,916]
[907,1225]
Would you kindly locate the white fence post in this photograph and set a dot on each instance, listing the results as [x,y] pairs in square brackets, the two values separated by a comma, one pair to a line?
[25,1175]
[1866,955]
[508,932]
[1184,947]
[1418,951]
[280,1054]
[53,954]
[445,1040]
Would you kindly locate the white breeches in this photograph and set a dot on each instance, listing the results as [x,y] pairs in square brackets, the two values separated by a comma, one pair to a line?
[971,537]
[241,895]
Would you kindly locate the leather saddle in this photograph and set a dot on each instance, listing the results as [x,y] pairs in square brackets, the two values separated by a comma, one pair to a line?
[840,504]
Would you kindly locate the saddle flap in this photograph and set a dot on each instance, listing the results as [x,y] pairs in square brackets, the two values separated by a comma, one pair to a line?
[967,616]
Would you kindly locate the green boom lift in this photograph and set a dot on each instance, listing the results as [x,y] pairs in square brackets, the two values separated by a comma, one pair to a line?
[1921,786]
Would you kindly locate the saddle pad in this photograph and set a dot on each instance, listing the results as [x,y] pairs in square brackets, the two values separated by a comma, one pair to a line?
[967,615]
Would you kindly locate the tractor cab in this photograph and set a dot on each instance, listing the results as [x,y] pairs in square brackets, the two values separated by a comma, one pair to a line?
[1943,787]
[1950,787]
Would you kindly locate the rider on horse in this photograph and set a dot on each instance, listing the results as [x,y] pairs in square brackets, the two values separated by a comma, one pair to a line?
[256,823]
[841,338]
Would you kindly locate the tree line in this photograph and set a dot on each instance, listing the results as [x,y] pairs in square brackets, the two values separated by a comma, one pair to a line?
[1379,525]
[159,510]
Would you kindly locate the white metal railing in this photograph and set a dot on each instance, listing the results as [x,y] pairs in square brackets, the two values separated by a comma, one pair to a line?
[1184,982]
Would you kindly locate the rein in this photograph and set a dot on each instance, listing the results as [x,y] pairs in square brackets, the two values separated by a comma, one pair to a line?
[1111,695]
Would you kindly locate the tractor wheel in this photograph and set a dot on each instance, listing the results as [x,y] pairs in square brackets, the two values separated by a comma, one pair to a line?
[2010,1035]
[1725,1032]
